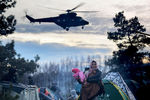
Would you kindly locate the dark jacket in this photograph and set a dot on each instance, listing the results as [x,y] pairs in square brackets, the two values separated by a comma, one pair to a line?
[96,77]
[94,86]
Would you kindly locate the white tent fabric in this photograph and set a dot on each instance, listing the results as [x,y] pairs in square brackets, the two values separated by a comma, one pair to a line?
[116,78]
[30,93]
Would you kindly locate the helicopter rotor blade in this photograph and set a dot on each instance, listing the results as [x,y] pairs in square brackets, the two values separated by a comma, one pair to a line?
[51,8]
[81,4]
[71,10]
[86,11]
[55,9]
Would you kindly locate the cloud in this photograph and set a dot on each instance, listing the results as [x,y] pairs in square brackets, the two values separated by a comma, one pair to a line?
[36,28]
[137,8]
[71,39]
[55,52]
[141,10]
[100,23]
[51,41]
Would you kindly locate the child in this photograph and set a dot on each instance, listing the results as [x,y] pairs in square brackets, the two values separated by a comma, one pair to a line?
[78,75]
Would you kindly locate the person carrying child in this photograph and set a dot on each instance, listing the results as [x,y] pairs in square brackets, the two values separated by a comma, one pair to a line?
[93,85]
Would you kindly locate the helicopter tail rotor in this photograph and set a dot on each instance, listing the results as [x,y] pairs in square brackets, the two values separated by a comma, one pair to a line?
[24,16]
[27,16]
[32,20]
[25,11]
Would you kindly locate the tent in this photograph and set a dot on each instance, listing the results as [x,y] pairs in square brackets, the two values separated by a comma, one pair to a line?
[115,88]
[117,79]
[113,92]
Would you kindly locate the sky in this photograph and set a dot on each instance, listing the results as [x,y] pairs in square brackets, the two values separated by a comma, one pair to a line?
[52,43]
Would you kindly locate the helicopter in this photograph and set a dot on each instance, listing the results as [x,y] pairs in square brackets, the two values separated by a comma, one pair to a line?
[65,20]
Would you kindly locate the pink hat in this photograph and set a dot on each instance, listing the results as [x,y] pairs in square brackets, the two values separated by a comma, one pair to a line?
[75,70]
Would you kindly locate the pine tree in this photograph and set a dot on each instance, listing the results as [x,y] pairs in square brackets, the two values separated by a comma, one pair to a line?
[7,23]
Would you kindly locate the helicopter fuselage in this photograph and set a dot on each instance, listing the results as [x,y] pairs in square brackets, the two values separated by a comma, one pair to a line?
[63,20]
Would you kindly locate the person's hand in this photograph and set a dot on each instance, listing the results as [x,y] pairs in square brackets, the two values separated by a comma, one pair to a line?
[85,83]
[90,70]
